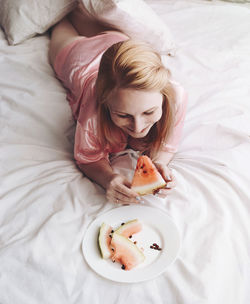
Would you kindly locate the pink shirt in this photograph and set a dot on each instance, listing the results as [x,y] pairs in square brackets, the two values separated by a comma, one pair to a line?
[76,65]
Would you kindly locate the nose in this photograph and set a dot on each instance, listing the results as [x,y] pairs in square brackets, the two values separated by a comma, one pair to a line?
[138,124]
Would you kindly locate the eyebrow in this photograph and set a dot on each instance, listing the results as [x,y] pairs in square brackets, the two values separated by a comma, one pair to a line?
[123,113]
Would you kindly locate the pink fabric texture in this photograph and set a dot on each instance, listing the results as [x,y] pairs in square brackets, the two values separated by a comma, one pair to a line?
[76,65]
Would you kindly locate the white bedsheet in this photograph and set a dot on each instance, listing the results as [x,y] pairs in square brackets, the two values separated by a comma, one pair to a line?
[47,204]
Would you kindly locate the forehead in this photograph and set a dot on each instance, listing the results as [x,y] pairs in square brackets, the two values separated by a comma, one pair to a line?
[133,101]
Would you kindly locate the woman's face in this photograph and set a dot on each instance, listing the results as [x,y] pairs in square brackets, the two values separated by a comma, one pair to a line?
[135,111]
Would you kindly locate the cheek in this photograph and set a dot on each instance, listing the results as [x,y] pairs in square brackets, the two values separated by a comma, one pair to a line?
[157,116]
[116,120]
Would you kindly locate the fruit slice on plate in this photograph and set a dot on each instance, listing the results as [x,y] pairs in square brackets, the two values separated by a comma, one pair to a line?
[147,178]
[104,240]
[126,252]
[129,228]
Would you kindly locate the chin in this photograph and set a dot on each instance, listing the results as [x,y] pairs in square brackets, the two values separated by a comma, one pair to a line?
[138,135]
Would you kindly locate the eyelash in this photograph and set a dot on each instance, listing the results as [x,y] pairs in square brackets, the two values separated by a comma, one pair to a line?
[127,116]
[149,113]
[122,116]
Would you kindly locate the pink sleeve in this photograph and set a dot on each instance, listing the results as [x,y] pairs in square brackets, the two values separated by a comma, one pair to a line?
[181,107]
[87,147]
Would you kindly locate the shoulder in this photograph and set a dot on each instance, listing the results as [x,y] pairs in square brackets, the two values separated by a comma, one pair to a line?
[181,102]
[181,96]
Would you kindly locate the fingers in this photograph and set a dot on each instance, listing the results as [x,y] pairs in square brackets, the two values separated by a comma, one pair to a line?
[120,198]
[165,172]
[169,178]
[164,192]
[125,201]
[119,191]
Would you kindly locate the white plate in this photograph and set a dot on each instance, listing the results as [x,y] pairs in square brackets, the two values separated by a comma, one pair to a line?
[157,228]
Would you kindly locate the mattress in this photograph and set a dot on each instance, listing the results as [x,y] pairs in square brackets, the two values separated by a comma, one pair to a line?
[47,204]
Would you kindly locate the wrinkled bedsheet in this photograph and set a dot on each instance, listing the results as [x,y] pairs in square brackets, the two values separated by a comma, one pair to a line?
[47,204]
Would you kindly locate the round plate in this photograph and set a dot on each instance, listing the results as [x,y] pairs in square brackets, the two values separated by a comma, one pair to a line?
[158,228]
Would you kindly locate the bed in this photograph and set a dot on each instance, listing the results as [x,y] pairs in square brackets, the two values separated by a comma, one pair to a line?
[47,204]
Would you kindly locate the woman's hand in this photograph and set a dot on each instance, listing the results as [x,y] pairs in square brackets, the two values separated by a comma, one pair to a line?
[168,177]
[118,191]
[117,186]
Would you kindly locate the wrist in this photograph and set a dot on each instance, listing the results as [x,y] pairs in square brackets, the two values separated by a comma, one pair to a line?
[109,179]
[163,158]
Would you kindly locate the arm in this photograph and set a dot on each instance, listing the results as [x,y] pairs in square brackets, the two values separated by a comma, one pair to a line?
[117,186]
[99,171]
[164,157]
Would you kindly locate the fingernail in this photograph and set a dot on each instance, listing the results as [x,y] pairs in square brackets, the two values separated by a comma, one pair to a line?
[139,199]
[168,185]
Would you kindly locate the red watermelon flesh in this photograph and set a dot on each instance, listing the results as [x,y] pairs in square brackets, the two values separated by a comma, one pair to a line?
[147,178]
[129,228]
[126,252]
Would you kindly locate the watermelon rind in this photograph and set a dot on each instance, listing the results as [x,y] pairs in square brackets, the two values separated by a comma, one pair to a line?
[149,189]
[103,240]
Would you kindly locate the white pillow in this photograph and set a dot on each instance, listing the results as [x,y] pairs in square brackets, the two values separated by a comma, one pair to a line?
[23,19]
[134,18]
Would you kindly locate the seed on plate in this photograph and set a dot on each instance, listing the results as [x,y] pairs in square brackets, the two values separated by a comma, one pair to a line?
[155,247]
[123,267]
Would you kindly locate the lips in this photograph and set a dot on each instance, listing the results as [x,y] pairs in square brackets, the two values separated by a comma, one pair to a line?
[138,133]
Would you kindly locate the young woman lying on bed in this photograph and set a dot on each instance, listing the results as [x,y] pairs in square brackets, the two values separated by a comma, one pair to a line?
[121,96]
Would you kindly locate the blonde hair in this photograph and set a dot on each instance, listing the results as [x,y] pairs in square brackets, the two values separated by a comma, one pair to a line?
[133,64]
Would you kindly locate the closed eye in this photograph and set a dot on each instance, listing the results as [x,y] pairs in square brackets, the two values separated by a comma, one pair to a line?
[129,116]
[123,116]
[148,113]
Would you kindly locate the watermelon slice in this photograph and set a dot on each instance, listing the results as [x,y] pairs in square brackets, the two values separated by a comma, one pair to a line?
[104,240]
[126,252]
[129,228]
[146,178]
